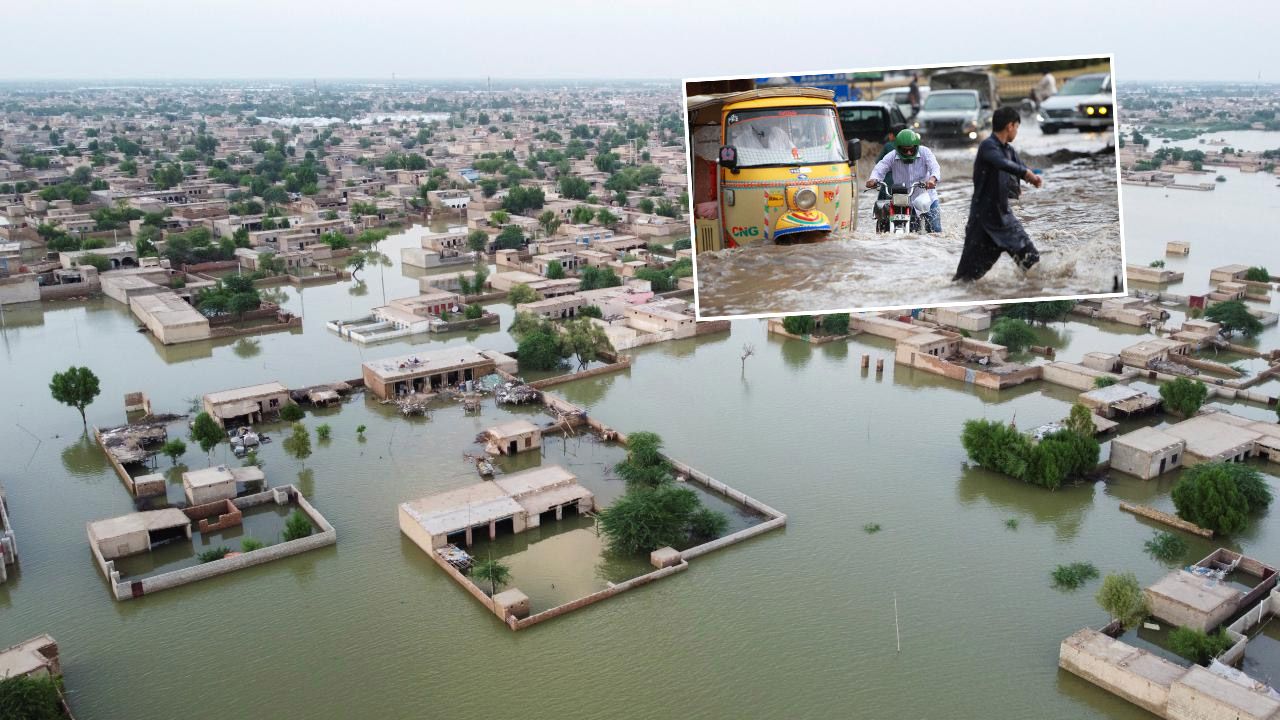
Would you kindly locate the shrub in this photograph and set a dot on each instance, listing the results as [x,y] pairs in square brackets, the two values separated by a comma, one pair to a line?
[871,528]
[25,697]
[1157,263]
[1011,523]
[1220,496]
[707,524]
[1072,576]
[1013,334]
[835,324]
[1121,596]
[292,412]
[645,464]
[646,519]
[323,432]
[173,449]
[297,526]
[360,430]
[1258,274]
[213,554]
[473,312]
[798,324]
[1183,396]
[250,544]
[1166,547]
[1198,646]
[1104,381]
[591,311]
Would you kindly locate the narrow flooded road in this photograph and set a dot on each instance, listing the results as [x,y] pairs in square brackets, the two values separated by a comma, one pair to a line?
[1073,219]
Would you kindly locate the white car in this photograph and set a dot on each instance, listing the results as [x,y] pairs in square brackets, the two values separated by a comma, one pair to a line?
[898,96]
[1085,102]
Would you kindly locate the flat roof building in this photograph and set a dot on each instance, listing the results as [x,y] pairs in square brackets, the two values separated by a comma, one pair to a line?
[1120,400]
[1143,354]
[170,319]
[138,532]
[429,371]
[1212,438]
[515,502]
[514,437]
[246,405]
[1147,453]
[218,482]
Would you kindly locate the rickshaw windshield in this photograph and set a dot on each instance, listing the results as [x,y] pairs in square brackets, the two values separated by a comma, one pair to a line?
[790,136]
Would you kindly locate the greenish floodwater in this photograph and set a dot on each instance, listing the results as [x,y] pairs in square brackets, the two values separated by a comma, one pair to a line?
[795,623]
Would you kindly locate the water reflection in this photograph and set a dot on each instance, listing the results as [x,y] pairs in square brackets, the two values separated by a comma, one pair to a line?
[85,460]
[247,347]
[1064,509]
[795,353]
[358,288]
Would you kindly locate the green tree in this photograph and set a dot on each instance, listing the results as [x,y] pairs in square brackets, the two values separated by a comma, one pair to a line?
[1104,381]
[1198,646]
[1166,547]
[292,412]
[1258,273]
[1080,420]
[297,525]
[581,215]
[206,432]
[574,187]
[645,464]
[473,312]
[647,518]
[1042,312]
[510,238]
[1220,496]
[1183,396]
[1234,317]
[29,697]
[586,340]
[499,217]
[1121,596]
[477,241]
[541,350]
[521,294]
[835,324]
[98,262]
[1013,334]
[298,444]
[590,311]
[606,218]
[324,431]
[550,221]
[173,449]
[555,271]
[77,387]
[593,278]
[250,544]
[492,572]
[798,324]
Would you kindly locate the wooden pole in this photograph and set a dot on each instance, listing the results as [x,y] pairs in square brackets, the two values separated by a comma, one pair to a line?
[896,632]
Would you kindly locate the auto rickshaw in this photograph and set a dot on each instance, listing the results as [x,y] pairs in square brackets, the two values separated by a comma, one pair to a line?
[770,164]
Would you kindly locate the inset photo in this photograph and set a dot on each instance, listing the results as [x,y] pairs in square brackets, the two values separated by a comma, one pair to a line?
[904,187]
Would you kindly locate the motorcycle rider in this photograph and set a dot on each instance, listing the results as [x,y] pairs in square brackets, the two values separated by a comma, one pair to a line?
[910,163]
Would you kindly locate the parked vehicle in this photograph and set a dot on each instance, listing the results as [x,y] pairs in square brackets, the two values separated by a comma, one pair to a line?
[870,121]
[769,163]
[953,115]
[898,96]
[1085,102]
[900,212]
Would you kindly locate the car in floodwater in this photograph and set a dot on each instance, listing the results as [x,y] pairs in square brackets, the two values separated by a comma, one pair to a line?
[1085,102]
[898,96]
[870,121]
[953,115]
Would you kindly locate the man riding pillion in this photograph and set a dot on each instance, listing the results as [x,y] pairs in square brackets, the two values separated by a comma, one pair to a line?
[910,163]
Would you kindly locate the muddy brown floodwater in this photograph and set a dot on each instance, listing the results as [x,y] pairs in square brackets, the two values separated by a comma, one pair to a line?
[1073,219]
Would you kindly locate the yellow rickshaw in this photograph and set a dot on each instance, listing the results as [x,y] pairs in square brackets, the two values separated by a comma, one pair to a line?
[769,164]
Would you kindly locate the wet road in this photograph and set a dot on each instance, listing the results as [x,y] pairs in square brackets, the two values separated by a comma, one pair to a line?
[1073,219]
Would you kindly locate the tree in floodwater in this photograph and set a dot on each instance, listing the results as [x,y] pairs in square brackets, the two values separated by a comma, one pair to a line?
[493,572]
[1220,496]
[1121,596]
[1234,317]
[645,464]
[298,444]
[206,432]
[77,387]
[1013,334]
[1183,396]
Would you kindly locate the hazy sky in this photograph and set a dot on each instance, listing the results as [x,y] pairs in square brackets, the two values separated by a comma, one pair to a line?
[164,39]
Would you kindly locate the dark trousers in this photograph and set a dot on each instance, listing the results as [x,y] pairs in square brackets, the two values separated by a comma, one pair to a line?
[981,251]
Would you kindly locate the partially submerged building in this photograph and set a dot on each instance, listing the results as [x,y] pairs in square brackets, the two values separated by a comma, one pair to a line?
[1119,400]
[246,405]
[8,542]
[170,319]
[952,355]
[511,438]
[138,532]
[511,503]
[428,372]
[219,482]
[1147,453]
[1151,352]
[1198,598]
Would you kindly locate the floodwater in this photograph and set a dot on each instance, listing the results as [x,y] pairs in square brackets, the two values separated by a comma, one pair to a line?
[1073,219]
[795,623]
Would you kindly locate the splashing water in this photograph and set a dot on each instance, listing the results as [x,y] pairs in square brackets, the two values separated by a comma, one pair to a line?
[1073,220]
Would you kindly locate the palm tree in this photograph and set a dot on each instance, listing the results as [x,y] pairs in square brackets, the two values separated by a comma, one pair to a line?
[493,571]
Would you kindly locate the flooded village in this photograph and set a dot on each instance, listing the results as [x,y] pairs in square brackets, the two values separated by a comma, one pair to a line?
[387,418]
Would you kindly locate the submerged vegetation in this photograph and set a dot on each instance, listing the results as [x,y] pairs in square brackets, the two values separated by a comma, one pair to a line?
[1197,645]
[1166,547]
[1074,575]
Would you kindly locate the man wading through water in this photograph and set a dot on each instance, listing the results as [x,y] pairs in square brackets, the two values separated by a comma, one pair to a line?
[992,227]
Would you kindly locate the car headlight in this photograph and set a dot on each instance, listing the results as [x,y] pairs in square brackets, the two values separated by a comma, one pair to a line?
[916,124]
[806,198]
[1102,111]
[1089,110]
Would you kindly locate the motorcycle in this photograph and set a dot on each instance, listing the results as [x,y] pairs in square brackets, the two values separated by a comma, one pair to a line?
[897,212]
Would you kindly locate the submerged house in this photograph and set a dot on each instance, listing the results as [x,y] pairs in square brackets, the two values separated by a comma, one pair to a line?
[513,437]
[138,532]
[246,405]
[431,371]
[510,503]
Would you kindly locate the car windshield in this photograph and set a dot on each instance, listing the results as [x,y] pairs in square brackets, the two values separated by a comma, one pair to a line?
[893,96]
[948,101]
[1083,86]
[785,136]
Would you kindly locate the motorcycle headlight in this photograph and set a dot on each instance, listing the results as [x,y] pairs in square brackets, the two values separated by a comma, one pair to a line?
[806,198]
[916,124]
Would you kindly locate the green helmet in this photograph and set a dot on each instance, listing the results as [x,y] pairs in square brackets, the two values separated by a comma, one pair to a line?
[908,144]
